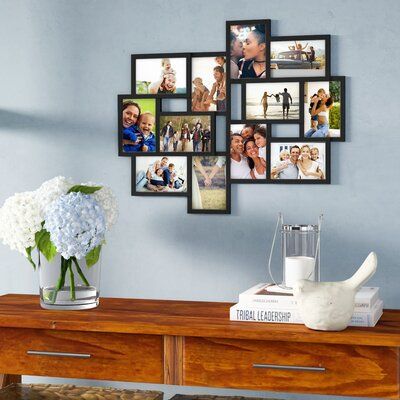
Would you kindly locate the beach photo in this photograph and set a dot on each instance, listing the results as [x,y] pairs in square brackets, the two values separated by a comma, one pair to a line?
[247,42]
[302,56]
[248,151]
[277,101]
[323,109]
[209,185]
[208,83]
[137,125]
[158,175]
[163,76]
[299,161]
[186,133]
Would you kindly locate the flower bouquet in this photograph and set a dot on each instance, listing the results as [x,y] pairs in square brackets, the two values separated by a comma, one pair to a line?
[64,225]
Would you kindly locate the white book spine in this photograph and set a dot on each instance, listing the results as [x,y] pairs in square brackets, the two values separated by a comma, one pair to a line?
[245,312]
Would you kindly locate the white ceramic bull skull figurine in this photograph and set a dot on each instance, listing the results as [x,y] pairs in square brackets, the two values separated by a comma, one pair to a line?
[329,306]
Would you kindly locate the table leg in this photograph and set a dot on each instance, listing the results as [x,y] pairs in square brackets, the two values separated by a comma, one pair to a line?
[6,380]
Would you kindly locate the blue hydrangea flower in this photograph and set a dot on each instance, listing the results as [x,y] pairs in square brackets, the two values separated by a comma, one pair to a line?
[76,224]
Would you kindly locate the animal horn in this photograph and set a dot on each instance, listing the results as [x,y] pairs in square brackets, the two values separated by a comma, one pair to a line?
[367,269]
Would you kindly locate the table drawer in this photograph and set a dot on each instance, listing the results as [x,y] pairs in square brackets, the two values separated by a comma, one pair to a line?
[292,367]
[109,356]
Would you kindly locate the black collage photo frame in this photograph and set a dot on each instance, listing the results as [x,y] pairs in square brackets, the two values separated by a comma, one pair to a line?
[282,79]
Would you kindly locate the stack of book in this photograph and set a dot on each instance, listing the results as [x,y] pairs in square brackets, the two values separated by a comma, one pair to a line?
[257,304]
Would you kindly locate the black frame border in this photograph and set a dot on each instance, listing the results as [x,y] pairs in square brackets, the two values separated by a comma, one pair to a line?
[213,124]
[325,181]
[189,99]
[121,97]
[135,57]
[267,23]
[158,194]
[327,39]
[228,209]
[342,80]
[274,121]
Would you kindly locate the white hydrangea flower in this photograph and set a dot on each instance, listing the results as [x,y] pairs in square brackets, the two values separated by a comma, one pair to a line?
[76,224]
[20,219]
[105,197]
[51,190]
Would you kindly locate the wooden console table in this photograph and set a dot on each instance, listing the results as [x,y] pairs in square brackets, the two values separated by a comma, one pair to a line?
[195,344]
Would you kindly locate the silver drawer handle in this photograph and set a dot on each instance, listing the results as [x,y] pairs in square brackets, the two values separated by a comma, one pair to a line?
[291,367]
[57,354]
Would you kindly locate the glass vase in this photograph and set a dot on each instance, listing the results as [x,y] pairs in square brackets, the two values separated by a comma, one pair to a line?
[69,284]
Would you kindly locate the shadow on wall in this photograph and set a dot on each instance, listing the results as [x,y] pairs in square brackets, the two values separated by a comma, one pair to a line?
[14,120]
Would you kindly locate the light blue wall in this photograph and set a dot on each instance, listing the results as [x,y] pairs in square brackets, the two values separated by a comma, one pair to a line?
[62,64]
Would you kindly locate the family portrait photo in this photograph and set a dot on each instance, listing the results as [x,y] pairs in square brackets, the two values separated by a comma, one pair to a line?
[248,50]
[160,76]
[137,124]
[187,133]
[156,175]
[209,184]
[299,57]
[248,151]
[208,83]
[323,109]
[272,101]
[298,161]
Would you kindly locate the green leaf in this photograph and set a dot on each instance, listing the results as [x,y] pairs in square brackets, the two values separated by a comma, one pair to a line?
[45,245]
[93,256]
[84,189]
[29,256]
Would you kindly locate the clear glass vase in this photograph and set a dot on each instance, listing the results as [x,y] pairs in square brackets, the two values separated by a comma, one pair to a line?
[69,284]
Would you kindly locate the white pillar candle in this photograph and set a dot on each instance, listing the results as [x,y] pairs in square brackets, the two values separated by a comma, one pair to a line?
[299,267]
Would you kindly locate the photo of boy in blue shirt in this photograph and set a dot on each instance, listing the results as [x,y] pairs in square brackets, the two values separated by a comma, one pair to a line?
[146,136]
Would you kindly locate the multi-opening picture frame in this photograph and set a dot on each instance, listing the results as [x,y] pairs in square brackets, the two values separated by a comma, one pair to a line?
[284,80]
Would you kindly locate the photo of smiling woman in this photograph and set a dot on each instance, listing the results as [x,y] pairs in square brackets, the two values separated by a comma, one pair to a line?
[298,161]
[164,76]
[248,51]
[137,124]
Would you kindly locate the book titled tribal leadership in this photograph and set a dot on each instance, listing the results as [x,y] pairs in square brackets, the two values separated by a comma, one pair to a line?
[247,313]
[259,295]
[259,305]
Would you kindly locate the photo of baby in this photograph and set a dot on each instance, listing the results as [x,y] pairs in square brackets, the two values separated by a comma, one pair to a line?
[298,161]
[208,83]
[137,124]
[160,175]
[160,76]
[248,150]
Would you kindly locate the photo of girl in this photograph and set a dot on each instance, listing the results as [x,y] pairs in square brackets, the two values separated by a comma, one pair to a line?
[186,133]
[248,46]
[208,83]
[248,143]
[302,56]
[137,125]
[272,101]
[298,161]
[164,76]
[323,109]
[160,175]
[209,184]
